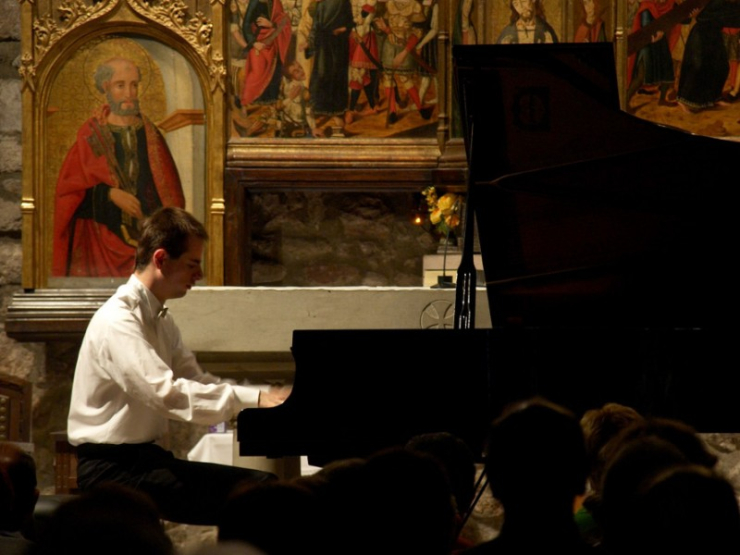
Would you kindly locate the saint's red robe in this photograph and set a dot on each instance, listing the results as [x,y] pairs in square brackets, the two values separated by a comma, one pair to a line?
[260,66]
[95,251]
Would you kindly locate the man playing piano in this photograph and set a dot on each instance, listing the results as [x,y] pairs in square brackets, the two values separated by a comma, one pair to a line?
[133,374]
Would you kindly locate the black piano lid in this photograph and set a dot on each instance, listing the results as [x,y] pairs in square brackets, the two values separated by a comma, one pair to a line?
[587,215]
[608,242]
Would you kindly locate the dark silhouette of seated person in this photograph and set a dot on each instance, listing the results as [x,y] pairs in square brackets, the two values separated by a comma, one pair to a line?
[110,519]
[634,458]
[458,463]
[686,509]
[279,518]
[394,502]
[599,427]
[337,487]
[405,506]
[18,497]
[536,465]
[631,469]
[678,433]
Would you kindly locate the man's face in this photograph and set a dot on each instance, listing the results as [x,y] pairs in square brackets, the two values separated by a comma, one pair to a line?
[122,91]
[588,7]
[297,73]
[180,274]
[525,8]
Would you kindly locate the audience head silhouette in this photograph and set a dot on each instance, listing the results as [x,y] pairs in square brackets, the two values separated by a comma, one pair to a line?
[279,518]
[110,519]
[686,509]
[18,491]
[536,455]
[456,459]
[406,506]
[600,426]
[635,458]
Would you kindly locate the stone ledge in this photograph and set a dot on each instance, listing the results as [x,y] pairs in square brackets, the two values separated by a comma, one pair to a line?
[52,314]
[243,319]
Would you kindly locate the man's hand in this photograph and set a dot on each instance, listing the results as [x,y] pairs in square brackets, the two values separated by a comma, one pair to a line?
[127,202]
[274,396]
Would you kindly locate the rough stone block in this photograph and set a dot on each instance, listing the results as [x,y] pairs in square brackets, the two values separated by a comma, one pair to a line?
[10,153]
[10,261]
[10,216]
[10,105]
[10,22]
[11,186]
[10,52]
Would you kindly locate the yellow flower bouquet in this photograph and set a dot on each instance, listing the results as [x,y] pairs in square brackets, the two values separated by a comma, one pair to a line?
[444,211]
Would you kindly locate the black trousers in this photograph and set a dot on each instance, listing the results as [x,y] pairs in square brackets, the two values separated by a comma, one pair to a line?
[184,491]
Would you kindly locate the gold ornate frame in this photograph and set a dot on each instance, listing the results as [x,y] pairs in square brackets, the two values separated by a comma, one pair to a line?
[52,31]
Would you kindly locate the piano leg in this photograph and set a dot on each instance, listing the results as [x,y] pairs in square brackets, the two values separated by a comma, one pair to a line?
[284,468]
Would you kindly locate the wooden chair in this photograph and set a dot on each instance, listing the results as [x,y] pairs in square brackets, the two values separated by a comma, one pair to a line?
[15,409]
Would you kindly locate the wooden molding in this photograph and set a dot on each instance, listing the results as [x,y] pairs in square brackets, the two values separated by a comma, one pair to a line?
[182,118]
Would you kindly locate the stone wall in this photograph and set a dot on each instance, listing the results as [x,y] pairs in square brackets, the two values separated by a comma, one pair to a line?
[324,239]
[24,360]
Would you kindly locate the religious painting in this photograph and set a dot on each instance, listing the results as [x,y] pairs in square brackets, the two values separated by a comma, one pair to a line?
[125,136]
[310,69]
[123,112]
[682,64]
[528,22]
[592,21]
[466,22]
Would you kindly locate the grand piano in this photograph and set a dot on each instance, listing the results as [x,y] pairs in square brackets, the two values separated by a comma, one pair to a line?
[608,247]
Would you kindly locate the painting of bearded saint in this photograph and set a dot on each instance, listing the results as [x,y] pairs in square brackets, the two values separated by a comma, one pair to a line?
[118,171]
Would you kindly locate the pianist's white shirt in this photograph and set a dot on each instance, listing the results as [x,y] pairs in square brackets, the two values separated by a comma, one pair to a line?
[133,373]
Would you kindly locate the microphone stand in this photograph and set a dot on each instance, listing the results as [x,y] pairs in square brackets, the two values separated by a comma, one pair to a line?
[466,273]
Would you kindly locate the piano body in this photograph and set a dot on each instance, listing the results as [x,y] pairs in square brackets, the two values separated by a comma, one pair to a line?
[607,244]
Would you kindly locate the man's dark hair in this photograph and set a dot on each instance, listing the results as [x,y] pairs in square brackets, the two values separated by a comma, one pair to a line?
[517,442]
[169,229]
[600,426]
[280,518]
[109,518]
[685,509]
[404,491]
[18,491]
[456,459]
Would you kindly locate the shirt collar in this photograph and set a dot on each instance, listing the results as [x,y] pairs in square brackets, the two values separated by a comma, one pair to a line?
[155,308]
